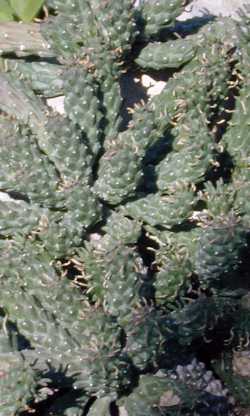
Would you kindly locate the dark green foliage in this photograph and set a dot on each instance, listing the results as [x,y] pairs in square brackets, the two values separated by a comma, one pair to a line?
[19,384]
[185,386]
[159,55]
[24,167]
[166,209]
[124,245]
[44,77]
[82,105]
[223,240]
[234,371]
[158,15]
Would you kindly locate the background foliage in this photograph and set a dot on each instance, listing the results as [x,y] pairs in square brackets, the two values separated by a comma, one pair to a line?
[24,10]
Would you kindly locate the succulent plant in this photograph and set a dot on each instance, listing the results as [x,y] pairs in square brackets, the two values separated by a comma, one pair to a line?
[124,245]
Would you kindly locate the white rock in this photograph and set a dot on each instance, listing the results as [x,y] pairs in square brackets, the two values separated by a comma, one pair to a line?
[5,197]
[213,7]
[153,87]
[56,103]
[123,411]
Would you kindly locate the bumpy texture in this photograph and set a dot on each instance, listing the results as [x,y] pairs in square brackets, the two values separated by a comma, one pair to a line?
[124,238]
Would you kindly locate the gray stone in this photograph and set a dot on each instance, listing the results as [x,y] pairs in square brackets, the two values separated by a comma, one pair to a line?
[213,7]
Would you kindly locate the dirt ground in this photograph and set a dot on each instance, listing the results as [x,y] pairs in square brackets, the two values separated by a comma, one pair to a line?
[215,7]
